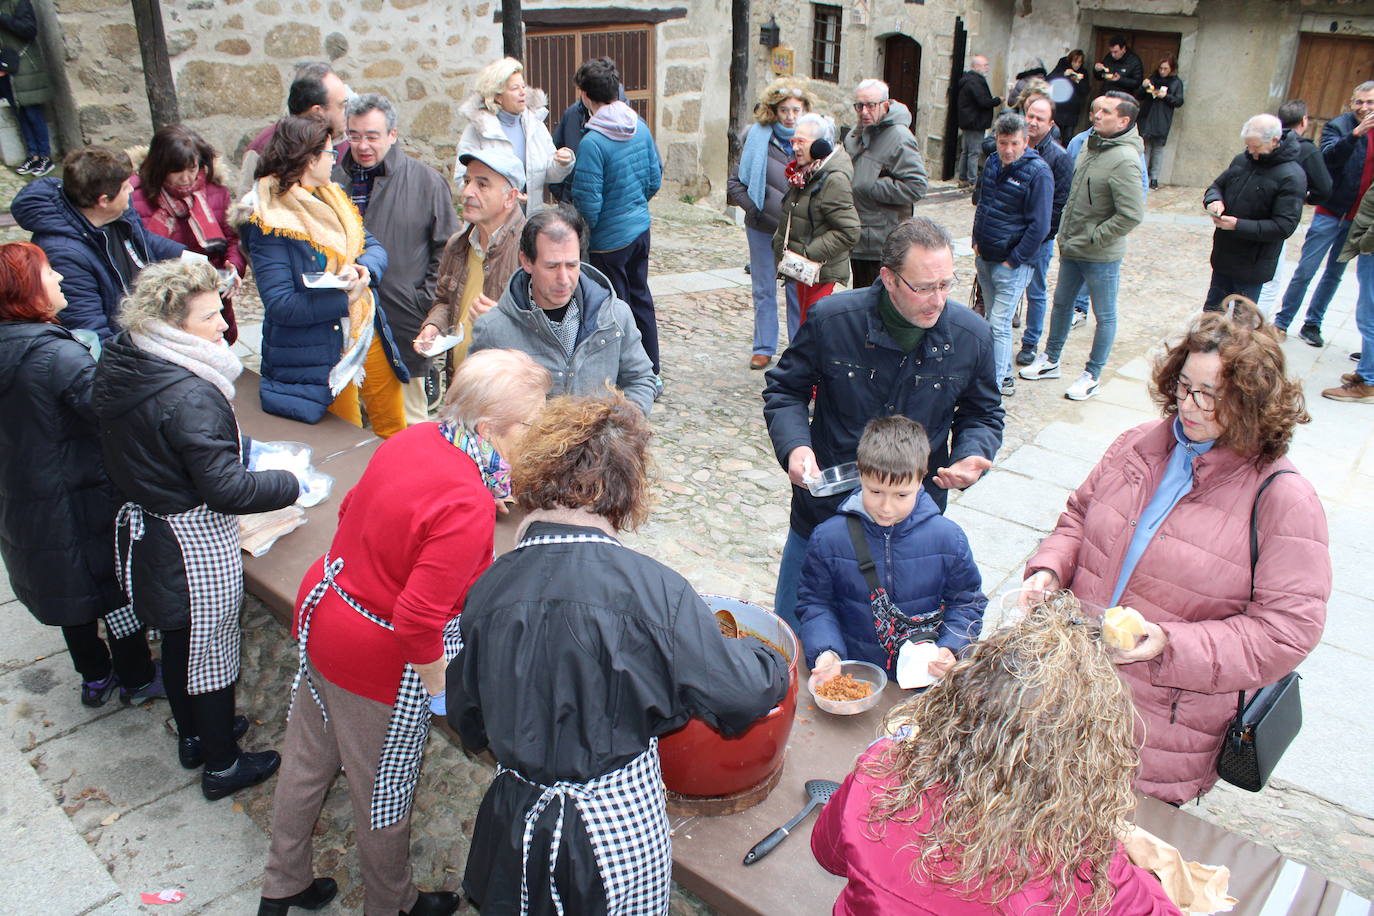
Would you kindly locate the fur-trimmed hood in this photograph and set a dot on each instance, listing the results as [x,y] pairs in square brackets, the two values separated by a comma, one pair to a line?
[474,109]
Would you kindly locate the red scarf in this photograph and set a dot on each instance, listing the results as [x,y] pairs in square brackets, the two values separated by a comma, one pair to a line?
[798,176]
[192,205]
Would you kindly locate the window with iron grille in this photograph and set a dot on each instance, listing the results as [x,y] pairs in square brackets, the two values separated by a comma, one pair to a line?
[825,43]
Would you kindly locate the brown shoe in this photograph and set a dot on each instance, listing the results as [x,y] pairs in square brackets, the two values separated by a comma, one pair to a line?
[1352,389]
[760,361]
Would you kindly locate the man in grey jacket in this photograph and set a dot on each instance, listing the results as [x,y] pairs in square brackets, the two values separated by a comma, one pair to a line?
[567,316]
[408,206]
[889,174]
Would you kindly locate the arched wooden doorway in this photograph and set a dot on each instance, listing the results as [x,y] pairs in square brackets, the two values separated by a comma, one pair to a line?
[902,71]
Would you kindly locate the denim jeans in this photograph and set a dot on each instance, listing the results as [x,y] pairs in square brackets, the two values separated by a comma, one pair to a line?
[789,576]
[1364,317]
[763,271]
[1002,289]
[970,154]
[1036,296]
[1325,238]
[1102,279]
[1223,285]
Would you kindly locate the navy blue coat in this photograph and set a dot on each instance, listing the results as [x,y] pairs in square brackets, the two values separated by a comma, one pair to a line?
[1013,216]
[1344,154]
[76,250]
[923,562]
[302,336]
[948,385]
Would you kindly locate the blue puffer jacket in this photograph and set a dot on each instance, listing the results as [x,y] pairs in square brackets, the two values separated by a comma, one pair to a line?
[1344,154]
[923,562]
[614,180]
[1013,216]
[302,336]
[76,250]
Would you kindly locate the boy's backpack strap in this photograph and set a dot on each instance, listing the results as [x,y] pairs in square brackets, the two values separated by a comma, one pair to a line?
[862,553]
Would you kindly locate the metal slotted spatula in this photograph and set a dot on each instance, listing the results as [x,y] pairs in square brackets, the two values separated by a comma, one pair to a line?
[820,791]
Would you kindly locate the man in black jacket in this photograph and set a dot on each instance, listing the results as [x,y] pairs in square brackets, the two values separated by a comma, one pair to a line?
[897,347]
[975,105]
[1255,205]
[1120,67]
[1292,115]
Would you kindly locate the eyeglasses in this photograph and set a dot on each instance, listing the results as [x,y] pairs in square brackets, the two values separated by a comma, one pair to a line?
[1204,400]
[355,137]
[860,106]
[925,292]
[330,152]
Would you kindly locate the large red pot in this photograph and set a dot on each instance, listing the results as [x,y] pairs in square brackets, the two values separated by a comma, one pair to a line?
[697,760]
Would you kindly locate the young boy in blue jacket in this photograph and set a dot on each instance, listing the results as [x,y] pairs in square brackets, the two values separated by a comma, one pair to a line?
[931,588]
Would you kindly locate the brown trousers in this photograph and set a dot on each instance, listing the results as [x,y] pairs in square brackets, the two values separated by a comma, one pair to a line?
[311,757]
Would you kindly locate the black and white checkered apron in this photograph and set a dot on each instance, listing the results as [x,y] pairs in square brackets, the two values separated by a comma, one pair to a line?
[624,812]
[398,769]
[210,554]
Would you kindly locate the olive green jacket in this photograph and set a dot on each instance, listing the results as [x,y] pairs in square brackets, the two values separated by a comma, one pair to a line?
[19,38]
[1360,240]
[1105,201]
[825,225]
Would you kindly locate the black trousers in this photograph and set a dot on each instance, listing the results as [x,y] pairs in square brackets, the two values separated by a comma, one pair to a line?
[628,270]
[865,272]
[210,716]
[1223,285]
[129,657]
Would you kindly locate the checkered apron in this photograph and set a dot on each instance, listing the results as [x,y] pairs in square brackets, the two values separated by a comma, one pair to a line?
[210,553]
[122,622]
[398,768]
[624,813]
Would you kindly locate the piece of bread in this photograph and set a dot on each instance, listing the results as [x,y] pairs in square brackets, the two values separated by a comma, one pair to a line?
[1122,627]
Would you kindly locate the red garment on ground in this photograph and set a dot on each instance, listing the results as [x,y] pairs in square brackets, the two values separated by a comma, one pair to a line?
[879,870]
[414,534]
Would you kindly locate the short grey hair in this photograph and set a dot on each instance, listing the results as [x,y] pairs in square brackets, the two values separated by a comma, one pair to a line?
[495,386]
[1263,127]
[916,232]
[874,84]
[1366,86]
[823,124]
[1008,123]
[161,292]
[370,101]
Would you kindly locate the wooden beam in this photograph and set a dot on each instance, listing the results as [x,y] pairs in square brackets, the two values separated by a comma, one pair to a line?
[596,15]
[512,29]
[739,75]
[157,65]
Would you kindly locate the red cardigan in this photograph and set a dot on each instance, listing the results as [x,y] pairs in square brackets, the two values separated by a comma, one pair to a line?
[414,534]
[879,870]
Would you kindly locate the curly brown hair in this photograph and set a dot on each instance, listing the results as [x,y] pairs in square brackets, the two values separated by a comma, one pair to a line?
[1030,740]
[784,87]
[296,140]
[587,453]
[1258,405]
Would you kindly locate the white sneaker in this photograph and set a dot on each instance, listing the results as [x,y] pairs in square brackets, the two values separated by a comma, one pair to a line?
[1084,388]
[1078,318]
[1040,368]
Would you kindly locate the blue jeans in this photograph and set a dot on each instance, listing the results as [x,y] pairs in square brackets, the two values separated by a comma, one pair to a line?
[1364,317]
[1036,298]
[789,576]
[34,130]
[1002,289]
[1102,279]
[1325,238]
[763,271]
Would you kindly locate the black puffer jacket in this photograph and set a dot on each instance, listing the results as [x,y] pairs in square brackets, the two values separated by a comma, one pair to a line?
[975,101]
[57,507]
[171,443]
[1265,195]
[1157,115]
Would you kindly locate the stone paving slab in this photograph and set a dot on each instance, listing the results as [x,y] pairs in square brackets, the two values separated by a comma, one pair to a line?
[1057,468]
[26,640]
[42,701]
[1026,501]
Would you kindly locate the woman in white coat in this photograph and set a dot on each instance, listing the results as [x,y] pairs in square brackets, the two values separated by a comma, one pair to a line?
[504,112]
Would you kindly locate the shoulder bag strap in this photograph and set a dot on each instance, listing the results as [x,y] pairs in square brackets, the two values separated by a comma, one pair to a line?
[862,553]
[1254,551]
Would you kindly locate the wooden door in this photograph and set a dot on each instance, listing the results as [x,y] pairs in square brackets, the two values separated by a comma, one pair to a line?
[1327,69]
[956,69]
[902,72]
[1150,47]
[553,56]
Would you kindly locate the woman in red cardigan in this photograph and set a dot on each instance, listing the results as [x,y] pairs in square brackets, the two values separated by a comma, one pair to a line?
[376,622]
[1005,788]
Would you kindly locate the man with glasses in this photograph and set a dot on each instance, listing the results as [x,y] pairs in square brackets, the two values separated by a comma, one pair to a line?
[889,174]
[408,206]
[315,89]
[896,347]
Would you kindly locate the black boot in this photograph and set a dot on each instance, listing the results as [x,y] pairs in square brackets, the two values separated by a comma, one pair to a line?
[248,770]
[314,897]
[190,753]
[435,903]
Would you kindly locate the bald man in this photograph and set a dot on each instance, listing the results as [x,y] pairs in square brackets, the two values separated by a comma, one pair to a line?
[975,105]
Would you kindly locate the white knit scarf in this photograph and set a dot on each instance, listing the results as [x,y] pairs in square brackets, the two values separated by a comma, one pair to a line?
[215,363]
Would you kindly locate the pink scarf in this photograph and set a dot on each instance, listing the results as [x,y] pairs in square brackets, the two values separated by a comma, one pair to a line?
[192,205]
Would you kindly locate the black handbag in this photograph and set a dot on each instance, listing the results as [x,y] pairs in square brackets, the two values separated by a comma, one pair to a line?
[1264,727]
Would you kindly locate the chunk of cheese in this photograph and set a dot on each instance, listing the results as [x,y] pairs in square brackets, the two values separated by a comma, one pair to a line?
[1122,627]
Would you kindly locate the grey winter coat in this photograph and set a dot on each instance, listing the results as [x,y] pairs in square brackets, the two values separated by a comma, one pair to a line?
[889,178]
[412,216]
[19,36]
[608,348]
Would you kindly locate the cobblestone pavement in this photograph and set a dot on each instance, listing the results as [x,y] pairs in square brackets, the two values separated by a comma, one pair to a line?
[720,519]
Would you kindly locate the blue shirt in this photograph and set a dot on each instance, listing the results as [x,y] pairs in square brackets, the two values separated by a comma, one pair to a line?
[1177,482]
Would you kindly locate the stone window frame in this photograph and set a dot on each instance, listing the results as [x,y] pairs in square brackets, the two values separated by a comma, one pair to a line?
[827,23]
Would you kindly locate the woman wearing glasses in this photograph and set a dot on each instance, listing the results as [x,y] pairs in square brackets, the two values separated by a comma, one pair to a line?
[1163,524]
[757,187]
[320,343]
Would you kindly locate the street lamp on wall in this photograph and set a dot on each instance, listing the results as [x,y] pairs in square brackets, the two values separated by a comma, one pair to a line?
[769,34]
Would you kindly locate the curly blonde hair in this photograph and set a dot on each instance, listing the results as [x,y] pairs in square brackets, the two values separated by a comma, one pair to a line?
[1030,741]
[161,292]
[784,87]
[491,80]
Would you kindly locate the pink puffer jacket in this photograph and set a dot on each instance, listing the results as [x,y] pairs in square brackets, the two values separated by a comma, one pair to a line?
[1194,582]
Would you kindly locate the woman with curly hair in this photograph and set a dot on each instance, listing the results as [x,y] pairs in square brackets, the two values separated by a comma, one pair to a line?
[1163,525]
[1006,787]
[577,654]
[757,187]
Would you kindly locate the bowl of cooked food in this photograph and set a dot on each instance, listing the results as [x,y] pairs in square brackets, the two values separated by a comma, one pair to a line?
[854,690]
